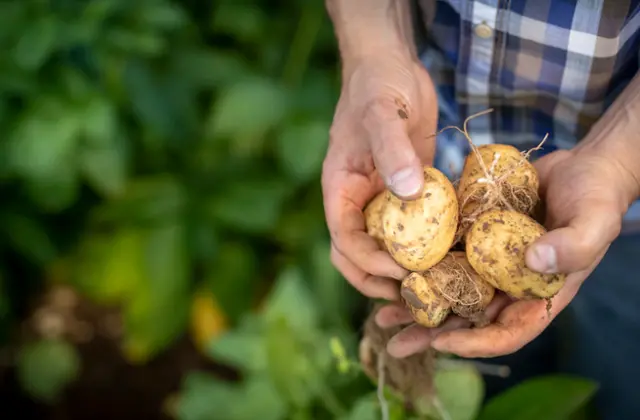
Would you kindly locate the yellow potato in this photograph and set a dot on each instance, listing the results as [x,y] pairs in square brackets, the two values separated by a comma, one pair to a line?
[512,183]
[495,247]
[419,233]
[373,218]
[427,305]
[468,294]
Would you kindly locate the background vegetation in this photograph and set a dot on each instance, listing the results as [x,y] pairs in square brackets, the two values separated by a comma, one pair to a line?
[163,250]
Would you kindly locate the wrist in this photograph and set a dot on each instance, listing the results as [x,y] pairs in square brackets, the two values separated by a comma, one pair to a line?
[370,28]
[615,136]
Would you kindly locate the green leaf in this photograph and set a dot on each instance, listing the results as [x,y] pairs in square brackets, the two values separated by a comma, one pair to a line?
[37,43]
[158,311]
[233,276]
[460,390]
[105,167]
[165,16]
[46,367]
[301,148]
[365,408]
[206,68]
[205,397]
[289,363]
[291,300]
[260,400]
[56,192]
[250,206]
[240,349]
[100,121]
[244,22]
[247,110]
[45,139]
[553,397]
[29,237]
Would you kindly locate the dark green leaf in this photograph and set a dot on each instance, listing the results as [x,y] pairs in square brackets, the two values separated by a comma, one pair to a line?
[549,397]
[29,237]
[37,43]
[46,367]
[301,148]
[245,22]
[260,400]
[233,276]
[56,192]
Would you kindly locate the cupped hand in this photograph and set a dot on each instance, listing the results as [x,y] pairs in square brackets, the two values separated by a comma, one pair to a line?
[585,196]
[381,136]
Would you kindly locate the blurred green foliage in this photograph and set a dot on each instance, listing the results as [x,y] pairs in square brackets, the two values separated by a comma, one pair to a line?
[161,149]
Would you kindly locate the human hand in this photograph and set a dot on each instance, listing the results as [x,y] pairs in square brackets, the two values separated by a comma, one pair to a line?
[380,137]
[586,195]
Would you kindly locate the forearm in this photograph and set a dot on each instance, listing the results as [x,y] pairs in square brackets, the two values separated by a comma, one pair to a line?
[366,27]
[617,135]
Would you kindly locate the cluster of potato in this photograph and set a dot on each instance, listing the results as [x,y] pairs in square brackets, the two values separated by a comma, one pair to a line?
[461,244]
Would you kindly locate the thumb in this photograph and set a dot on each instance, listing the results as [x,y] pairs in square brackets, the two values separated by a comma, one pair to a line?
[393,153]
[577,244]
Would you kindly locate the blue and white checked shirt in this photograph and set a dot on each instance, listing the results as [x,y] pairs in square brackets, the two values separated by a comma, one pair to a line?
[544,66]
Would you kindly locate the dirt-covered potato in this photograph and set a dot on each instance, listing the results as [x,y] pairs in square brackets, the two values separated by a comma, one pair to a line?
[495,247]
[468,294]
[503,178]
[419,233]
[373,218]
[421,296]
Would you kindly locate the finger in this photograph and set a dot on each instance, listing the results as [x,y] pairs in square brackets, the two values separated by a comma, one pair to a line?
[574,246]
[393,315]
[369,285]
[393,153]
[343,207]
[417,338]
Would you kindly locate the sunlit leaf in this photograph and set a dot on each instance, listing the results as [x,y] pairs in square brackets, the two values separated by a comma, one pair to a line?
[243,350]
[205,397]
[29,236]
[245,22]
[553,397]
[291,300]
[46,367]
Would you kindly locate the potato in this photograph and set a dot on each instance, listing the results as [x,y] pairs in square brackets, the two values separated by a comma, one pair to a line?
[495,247]
[512,184]
[373,218]
[427,305]
[455,279]
[419,233]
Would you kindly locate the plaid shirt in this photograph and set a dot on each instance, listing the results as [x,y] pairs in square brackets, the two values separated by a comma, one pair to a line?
[544,66]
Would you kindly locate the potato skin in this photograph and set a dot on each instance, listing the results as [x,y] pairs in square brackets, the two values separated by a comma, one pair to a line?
[373,218]
[495,247]
[509,157]
[420,232]
[518,187]
[428,307]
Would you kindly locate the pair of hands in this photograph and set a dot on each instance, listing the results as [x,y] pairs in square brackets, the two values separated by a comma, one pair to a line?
[379,138]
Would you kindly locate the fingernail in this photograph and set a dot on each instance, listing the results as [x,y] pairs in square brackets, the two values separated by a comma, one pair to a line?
[406,182]
[543,259]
